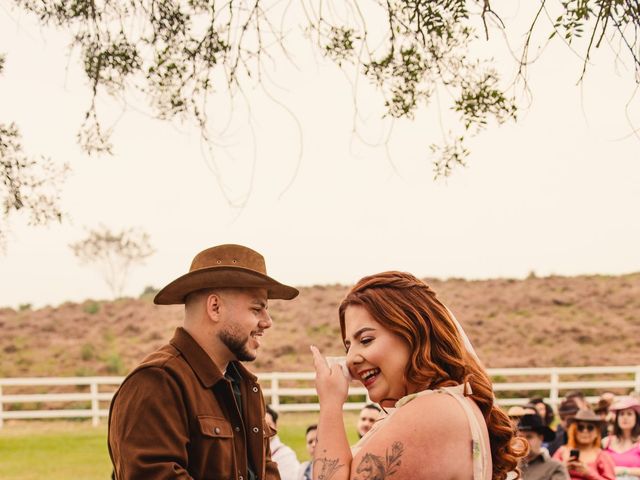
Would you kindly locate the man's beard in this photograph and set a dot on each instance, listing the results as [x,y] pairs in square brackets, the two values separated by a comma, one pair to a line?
[237,344]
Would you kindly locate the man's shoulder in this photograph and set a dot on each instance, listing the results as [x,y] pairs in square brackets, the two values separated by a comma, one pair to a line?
[547,463]
[160,358]
[165,361]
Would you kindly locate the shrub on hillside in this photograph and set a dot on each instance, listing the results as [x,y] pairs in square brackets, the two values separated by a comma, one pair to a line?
[115,365]
[91,308]
[88,352]
[149,291]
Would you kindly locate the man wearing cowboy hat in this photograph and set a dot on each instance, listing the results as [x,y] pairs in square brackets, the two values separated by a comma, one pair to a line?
[191,409]
[538,465]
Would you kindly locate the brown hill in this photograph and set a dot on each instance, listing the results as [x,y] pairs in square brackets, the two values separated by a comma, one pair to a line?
[552,321]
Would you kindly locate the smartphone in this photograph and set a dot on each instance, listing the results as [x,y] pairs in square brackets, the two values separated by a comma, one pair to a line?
[574,453]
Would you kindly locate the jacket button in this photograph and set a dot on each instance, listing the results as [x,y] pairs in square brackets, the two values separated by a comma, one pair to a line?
[256,429]
[255,389]
[216,430]
[237,429]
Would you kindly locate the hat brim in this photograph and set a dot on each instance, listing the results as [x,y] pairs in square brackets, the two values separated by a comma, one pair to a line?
[625,407]
[222,277]
[586,420]
[548,435]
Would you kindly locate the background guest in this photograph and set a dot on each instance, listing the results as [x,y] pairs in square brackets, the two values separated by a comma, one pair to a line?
[311,438]
[578,397]
[623,444]
[567,409]
[602,410]
[544,410]
[537,465]
[284,456]
[368,416]
[516,412]
[582,455]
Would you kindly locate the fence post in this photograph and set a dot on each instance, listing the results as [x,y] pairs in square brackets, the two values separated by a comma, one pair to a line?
[553,393]
[637,382]
[1,408]
[275,394]
[95,403]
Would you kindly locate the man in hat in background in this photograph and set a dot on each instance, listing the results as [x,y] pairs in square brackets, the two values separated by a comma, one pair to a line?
[191,409]
[538,465]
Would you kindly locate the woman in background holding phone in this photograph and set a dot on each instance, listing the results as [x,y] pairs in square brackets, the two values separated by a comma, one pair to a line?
[582,454]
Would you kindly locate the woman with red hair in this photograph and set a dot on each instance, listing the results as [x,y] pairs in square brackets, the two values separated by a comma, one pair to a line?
[410,353]
[582,454]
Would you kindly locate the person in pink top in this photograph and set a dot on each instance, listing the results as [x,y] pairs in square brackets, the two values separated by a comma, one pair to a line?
[582,454]
[624,444]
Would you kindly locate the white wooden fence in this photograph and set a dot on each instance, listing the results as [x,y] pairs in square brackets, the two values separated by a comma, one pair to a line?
[294,392]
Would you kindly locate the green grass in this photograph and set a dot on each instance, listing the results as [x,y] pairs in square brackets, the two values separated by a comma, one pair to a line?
[62,450]
[53,450]
[291,428]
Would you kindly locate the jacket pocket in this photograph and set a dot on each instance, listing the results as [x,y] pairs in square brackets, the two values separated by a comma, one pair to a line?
[215,427]
[217,456]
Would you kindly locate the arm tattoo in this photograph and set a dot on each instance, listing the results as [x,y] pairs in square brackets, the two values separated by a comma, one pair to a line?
[329,467]
[375,467]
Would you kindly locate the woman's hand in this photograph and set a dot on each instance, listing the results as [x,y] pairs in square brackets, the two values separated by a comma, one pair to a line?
[331,383]
[577,466]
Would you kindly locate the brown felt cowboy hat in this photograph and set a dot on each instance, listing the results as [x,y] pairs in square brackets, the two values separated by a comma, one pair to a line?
[533,423]
[587,416]
[224,266]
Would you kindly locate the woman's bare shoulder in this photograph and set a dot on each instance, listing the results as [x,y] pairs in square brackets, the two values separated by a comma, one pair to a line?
[426,438]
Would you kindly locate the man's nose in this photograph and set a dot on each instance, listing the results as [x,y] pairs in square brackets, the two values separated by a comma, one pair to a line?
[266,320]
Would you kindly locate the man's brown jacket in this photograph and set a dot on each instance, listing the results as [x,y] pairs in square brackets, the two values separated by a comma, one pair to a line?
[175,417]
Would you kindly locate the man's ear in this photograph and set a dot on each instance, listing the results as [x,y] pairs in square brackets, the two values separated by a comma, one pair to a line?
[212,306]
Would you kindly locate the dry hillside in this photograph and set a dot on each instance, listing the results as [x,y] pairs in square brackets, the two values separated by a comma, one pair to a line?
[561,321]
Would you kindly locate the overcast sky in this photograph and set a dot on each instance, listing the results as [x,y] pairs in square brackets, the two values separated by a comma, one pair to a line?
[556,193]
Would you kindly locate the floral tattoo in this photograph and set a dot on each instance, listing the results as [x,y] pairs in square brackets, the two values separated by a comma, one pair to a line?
[328,467]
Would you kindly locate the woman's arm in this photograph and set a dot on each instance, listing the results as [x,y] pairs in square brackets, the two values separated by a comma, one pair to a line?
[332,459]
[605,467]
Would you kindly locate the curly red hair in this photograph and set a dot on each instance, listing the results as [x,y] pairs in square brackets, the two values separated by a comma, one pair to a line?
[408,307]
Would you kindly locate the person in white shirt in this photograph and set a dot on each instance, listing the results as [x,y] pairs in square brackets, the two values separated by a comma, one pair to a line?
[311,439]
[284,456]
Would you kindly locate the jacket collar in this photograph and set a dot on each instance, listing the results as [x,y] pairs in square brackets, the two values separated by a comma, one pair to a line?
[205,369]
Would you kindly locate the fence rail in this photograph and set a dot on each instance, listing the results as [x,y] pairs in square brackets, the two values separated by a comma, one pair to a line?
[300,397]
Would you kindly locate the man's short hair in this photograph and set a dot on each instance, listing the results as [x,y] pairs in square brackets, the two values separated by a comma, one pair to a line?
[574,394]
[273,414]
[568,408]
[311,428]
[372,406]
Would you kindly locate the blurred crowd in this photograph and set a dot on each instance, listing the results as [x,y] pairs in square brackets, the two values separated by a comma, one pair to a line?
[580,440]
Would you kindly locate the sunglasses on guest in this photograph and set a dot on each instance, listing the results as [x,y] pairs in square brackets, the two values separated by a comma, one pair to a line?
[585,426]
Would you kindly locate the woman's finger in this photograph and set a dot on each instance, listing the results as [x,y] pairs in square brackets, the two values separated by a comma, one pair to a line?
[319,361]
